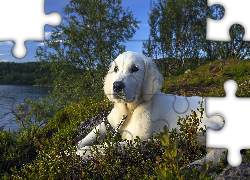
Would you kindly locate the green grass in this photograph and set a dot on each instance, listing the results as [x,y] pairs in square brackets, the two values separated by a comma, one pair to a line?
[208,80]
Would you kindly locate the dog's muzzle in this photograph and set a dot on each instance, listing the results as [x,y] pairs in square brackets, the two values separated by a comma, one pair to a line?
[121,93]
[118,87]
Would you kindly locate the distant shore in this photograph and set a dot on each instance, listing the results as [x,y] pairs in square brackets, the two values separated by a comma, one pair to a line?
[41,85]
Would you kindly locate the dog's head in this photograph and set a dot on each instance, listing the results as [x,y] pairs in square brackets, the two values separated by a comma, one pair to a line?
[132,75]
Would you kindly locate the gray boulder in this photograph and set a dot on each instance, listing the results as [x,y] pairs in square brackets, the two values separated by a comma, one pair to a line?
[230,173]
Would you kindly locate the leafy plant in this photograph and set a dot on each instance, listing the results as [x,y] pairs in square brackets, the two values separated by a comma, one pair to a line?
[180,149]
[171,156]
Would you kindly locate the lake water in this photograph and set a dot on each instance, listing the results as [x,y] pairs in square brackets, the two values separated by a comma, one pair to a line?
[11,95]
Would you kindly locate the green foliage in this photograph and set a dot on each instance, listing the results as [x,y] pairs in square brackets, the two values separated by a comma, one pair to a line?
[182,148]
[237,70]
[208,80]
[171,157]
[81,49]
[116,165]
[24,74]
[16,149]
[38,149]
[55,157]
[188,135]
[177,36]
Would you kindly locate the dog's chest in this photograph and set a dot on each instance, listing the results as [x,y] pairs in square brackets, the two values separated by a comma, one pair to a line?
[137,123]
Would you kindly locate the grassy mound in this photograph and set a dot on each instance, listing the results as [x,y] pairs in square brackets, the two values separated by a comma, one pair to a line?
[208,80]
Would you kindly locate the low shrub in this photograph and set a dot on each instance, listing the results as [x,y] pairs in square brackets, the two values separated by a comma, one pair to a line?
[56,157]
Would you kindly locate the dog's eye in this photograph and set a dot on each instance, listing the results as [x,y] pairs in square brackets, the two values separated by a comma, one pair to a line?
[134,69]
[116,69]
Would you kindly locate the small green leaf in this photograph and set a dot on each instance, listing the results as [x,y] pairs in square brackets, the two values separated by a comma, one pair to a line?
[165,130]
[174,152]
[165,140]
[179,156]
[162,173]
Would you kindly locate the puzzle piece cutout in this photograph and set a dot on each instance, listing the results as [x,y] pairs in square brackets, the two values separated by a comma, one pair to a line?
[236,128]
[21,14]
[219,29]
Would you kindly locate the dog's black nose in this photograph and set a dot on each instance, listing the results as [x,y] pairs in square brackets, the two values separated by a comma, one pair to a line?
[118,86]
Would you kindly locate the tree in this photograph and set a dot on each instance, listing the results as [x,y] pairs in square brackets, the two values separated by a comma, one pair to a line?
[82,48]
[176,26]
[178,34]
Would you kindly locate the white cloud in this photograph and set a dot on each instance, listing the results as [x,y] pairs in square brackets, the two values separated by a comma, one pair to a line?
[6,43]
[9,42]
[4,54]
[42,43]
[4,60]
[47,35]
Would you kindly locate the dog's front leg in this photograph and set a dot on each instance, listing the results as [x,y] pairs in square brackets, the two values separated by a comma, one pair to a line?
[91,137]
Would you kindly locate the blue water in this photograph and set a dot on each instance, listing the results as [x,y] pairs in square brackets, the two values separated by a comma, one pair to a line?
[12,95]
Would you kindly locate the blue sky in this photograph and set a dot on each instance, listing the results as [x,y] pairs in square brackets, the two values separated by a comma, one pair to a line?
[140,9]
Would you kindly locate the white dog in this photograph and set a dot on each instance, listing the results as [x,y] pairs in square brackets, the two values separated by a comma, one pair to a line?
[133,83]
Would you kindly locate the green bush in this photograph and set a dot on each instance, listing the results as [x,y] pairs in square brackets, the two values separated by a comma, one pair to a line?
[30,143]
[172,157]
[182,149]
[16,149]
[236,70]
[56,157]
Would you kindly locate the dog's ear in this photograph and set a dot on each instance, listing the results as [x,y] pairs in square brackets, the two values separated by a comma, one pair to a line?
[108,82]
[152,81]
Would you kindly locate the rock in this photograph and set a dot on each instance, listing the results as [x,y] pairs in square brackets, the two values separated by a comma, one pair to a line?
[92,136]
[214,155]
[89,123]
[241,172]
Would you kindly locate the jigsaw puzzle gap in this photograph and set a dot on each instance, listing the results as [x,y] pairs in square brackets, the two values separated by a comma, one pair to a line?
[19,50]
[230,88]
[234,157]
[17,30]
[53,19]
[236,127]
[219,30]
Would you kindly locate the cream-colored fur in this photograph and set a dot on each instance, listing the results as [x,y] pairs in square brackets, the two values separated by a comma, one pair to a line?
[138,96]
[147,108]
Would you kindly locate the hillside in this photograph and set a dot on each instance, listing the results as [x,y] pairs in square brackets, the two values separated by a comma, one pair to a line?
[24,74]
[208,80]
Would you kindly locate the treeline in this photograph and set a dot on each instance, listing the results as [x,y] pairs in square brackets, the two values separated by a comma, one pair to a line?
[178,34]
[28,73]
